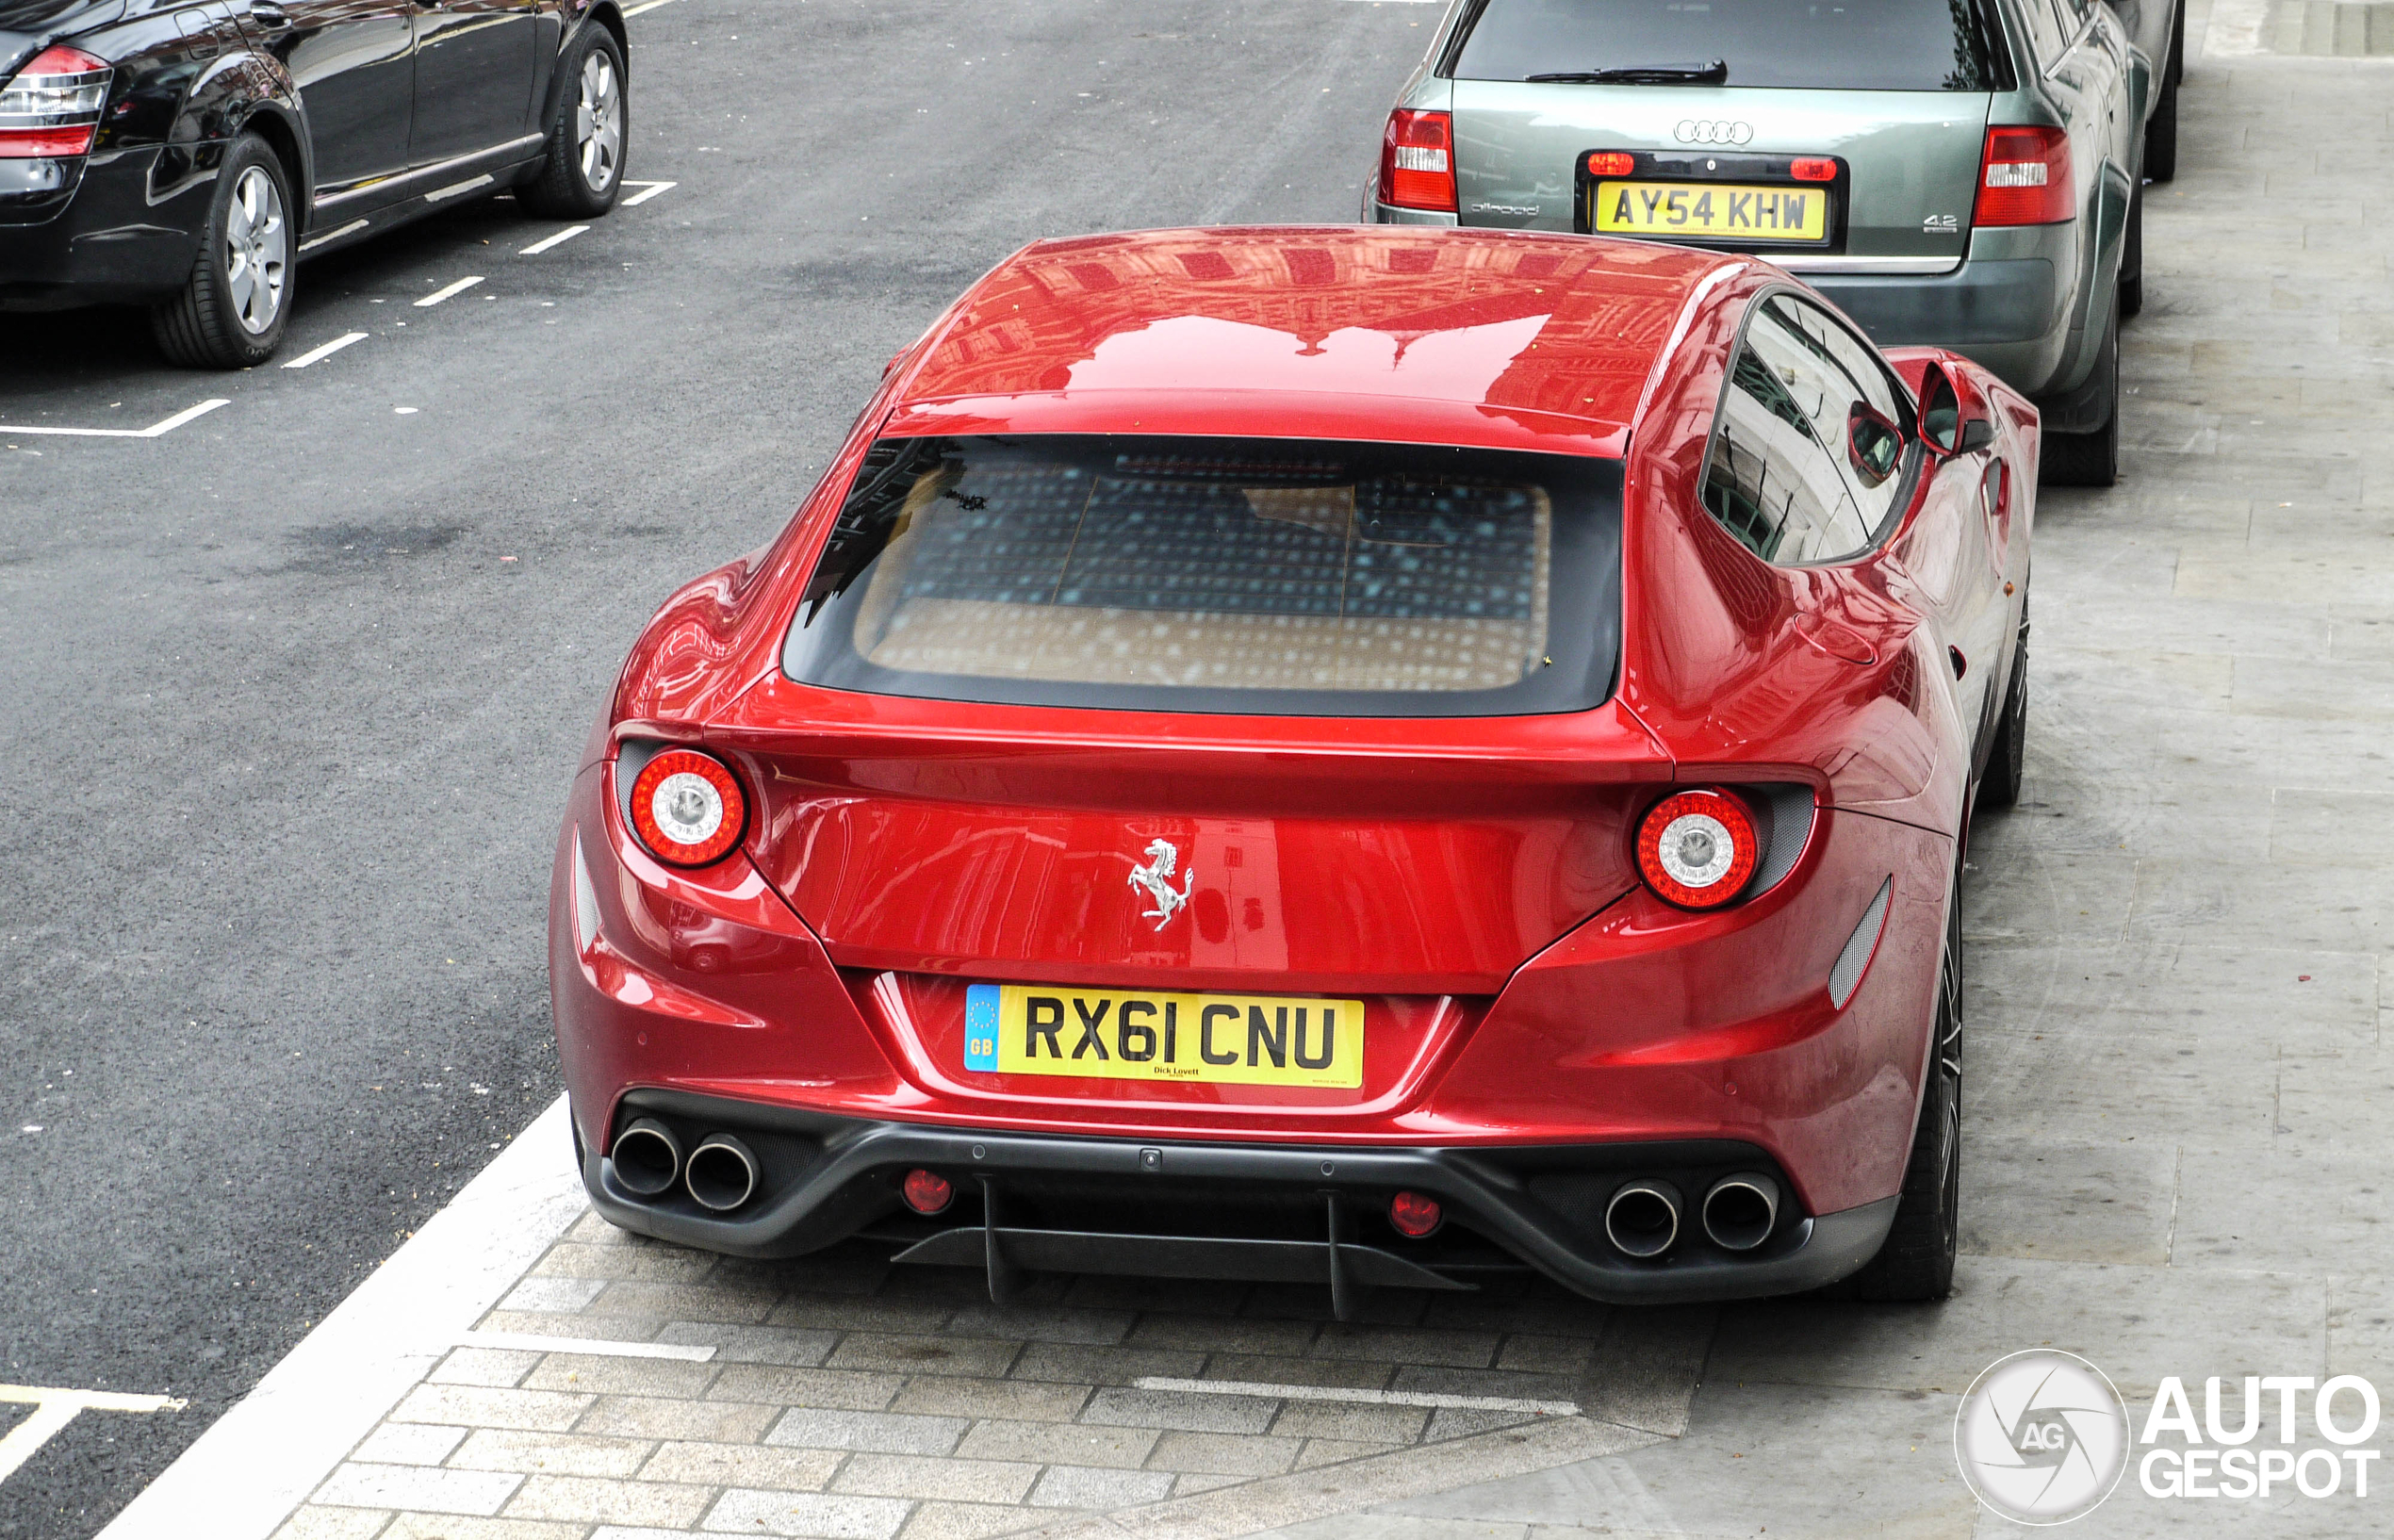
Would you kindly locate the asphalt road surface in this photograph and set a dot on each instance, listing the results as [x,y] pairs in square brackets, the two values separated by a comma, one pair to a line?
[294,689]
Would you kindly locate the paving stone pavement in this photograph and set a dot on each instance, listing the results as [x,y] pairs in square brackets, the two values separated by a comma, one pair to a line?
[836,1396]
[2180,979]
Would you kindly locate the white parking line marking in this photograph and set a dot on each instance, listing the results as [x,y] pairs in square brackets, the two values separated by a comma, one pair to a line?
[155,430]
[245,1475]
[558,239]
[53,1409]
[456,188]
[649,5]
[595,1347]
[1365,1398]
[639,198]
[351,228]
[451,292]
[315,356]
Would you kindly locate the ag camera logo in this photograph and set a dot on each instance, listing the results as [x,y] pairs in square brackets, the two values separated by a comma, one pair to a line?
[2042,1436]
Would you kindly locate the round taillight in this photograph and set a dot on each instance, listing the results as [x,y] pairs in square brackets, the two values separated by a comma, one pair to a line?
[1414,1215]
[1697,849]
[686,808]
[926,1192]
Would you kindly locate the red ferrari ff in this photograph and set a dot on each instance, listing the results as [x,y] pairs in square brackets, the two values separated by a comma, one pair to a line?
[1368,756]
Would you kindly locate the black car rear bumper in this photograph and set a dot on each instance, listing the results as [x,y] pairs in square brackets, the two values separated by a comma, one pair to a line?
[1265,1212]
[102,232]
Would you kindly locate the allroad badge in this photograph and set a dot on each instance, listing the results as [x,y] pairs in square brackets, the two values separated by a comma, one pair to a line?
[1163,858]
[1711,131]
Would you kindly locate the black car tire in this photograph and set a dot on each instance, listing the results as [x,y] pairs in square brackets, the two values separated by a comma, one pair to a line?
[574,181]
[219,318]
[1916,1263]
[2132,260]
[2007,760]
[2090,459]
[2161,128]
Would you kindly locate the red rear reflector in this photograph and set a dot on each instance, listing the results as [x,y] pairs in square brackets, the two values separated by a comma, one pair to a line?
[1414,1215]
[45,143]
[926,1192]
[1813,169]
[51,109]
[1697,849]
[686,808]
[1417,161]
[1611,163]
[2024,178]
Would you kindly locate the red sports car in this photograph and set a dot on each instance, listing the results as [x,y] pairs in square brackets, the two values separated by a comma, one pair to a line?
[1369,756]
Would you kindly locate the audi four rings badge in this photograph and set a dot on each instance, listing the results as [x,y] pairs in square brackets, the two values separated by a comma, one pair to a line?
[1706,131]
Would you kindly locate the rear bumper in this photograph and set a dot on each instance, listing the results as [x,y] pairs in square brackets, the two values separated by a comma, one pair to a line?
[106,234]
[1275,1213]
[2011,315]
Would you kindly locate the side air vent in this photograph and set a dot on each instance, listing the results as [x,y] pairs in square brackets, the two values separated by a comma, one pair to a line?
[1854,960]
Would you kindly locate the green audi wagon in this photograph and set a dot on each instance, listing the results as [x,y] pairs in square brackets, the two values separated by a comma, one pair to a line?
[1961,172]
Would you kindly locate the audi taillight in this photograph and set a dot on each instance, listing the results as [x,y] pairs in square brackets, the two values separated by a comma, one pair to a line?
[1417,161]
[2023,178]
[1813,168]
[1611,163]
[51,110]
[686,808]
[1696,849]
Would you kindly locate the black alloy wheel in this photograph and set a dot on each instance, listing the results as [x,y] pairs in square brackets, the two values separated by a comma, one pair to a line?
[1916,1264]
[231,310]
[2090,459]
[581,172]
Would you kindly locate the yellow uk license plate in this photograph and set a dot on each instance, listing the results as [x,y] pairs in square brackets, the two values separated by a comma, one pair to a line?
[1710,211]
[1226,1040]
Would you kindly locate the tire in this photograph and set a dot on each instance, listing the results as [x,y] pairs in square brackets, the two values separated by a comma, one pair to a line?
[582,172]
[2090,459]
[2132,260]
[2161,136]
[1916,1264]
[230,312]
[1999,784]
[2161,129]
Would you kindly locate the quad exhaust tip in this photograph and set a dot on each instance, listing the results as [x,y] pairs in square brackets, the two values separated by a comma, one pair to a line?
[721,1174]
[1741,1211]
[647,1157]
[1643,1219]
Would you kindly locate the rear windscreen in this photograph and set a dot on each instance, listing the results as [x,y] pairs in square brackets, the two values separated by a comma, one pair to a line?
[1267,575]
[1848,45]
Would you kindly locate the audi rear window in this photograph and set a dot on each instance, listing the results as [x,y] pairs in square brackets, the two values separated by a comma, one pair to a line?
[1275,577]
[1807,44]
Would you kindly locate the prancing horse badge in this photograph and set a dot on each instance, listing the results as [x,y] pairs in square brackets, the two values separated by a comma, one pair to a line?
[1163,858]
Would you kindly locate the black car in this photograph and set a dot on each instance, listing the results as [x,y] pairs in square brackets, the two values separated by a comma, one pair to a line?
[186,155]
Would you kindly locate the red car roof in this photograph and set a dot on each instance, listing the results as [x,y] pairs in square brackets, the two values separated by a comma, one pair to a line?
[1498,339]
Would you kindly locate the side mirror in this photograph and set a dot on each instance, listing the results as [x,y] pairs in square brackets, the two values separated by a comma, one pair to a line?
[1874,445]
[1940,413]
[1975,434]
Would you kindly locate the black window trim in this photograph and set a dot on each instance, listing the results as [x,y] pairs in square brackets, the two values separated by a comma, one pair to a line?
[1915,454]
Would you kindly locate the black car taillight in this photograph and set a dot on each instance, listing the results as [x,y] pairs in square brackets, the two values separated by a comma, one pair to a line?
[51,110]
